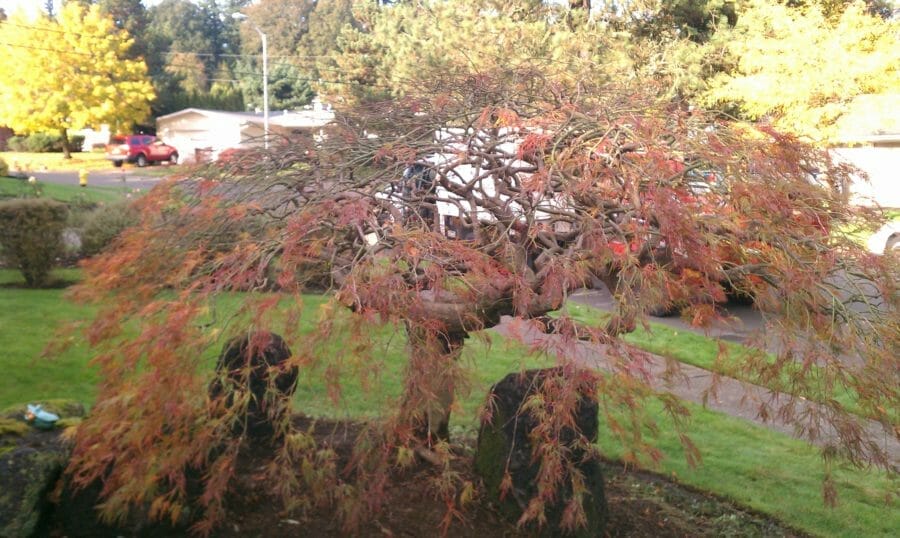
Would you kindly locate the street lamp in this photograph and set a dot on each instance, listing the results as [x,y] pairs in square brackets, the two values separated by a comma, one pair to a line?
[265,55]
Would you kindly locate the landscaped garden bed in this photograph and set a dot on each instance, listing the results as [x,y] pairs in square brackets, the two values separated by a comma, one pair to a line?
[749,465]
[641,503]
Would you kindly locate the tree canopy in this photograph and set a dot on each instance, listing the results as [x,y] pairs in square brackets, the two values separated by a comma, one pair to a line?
[70,72]
[801,67]
[389,51]
[488,160]
[189,47]
[285,23]
[473,197]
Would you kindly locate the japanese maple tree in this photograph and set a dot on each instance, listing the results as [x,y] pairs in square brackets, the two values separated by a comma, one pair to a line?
[490,195]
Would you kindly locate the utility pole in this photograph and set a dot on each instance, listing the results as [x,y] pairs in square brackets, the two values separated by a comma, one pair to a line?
[265,59]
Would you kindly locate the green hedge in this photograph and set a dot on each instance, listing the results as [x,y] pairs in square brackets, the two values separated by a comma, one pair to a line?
[44,143]
[32,236]
[104,224]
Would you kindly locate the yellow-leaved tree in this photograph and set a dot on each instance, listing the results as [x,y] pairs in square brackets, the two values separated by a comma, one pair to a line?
[801,67]
[69,73]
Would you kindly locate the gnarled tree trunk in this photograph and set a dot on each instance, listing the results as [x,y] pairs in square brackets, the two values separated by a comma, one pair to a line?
[431,381]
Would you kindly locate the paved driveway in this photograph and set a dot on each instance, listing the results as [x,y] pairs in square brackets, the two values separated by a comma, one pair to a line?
[746,321]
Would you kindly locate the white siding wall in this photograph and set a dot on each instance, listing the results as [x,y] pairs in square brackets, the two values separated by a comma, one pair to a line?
[189,132]
[882,165]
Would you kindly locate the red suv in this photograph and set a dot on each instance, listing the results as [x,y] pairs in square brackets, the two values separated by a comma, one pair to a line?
[139,149]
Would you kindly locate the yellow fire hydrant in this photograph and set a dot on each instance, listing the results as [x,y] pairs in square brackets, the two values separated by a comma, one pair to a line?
[82,177]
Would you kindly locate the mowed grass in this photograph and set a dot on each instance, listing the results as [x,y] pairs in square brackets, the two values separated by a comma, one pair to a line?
[764,470]
[777,475]
[56,162]
[28,321]
[19,188]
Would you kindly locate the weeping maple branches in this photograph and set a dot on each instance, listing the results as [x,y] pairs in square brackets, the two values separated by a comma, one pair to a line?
[499,195]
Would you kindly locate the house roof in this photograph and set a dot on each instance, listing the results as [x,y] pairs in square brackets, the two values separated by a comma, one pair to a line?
[287,119]
[210,113]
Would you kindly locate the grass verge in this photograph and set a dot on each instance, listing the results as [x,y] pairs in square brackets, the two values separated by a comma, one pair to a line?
[767,471]
[42,162]
[19,188]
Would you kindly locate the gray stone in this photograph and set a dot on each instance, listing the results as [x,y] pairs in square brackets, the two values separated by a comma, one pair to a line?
[504,445]
[255,363]
[27,475]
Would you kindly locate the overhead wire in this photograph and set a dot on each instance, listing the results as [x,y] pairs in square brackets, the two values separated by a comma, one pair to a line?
[194,67]
[318,67]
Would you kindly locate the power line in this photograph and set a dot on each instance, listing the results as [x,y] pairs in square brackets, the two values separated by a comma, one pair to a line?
[300,79]
[193,67]
[172,52]
[16,45]
[69,32]
[227,55]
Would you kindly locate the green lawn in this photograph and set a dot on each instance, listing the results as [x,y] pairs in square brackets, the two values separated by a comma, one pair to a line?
[777,475]
[861,237]
[26,163]
[39,162]
[18,188]
[767,471]
[28,319]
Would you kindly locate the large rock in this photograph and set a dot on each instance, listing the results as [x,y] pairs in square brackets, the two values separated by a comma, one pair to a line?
[26,477]
[504,445]
[256,363]
[31,461]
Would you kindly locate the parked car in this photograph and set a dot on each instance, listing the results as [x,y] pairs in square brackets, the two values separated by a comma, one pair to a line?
[139,149]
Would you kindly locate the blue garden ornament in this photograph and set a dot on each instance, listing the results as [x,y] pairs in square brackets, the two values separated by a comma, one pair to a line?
[39,418]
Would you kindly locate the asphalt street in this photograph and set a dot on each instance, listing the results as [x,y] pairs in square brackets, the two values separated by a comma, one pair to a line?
[121,177]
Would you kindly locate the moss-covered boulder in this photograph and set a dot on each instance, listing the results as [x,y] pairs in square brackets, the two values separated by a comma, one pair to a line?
[31,461]
[10,427]
[26,477]
[505,448]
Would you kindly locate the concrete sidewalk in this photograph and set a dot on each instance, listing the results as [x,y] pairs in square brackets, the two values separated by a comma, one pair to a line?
[786,414]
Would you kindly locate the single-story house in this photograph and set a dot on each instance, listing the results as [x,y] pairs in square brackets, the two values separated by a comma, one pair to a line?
[869,138]
[199,133]
[93,138]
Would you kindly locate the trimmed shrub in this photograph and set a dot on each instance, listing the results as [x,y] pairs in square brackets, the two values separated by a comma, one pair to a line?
[17,143]
[104,224]
[32,236]
[4,168]
[44,143]
[76,143]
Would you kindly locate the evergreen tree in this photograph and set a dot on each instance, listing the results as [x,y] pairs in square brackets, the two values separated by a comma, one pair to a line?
[131,16]
[288,89]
